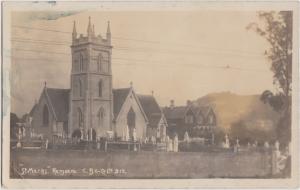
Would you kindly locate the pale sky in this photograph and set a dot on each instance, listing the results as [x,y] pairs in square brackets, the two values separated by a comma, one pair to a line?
[179,55]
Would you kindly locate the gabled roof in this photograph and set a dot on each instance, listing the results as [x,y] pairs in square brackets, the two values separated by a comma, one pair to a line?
[177,112]
[32,110]
[59,101]
[154,120]
[204,110]
[151,109]
[119,97]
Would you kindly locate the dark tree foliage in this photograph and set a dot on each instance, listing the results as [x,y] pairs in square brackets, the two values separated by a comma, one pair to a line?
[13,125]
[245,133]
[277,29]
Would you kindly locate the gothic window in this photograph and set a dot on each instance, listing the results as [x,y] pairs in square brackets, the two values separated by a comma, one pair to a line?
[80,118]
[211,119]
[100,88]
[99,63]
[200,119]
[80,88]
[45,116]
[131,121]
[100,117]
[131,118]
[189,119]
[81,62]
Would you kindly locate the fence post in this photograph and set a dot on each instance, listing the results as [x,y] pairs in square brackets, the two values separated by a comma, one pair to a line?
[275,157]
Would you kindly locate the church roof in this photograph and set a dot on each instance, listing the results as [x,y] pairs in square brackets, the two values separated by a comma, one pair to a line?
[32,110]
[59,103]
[59,100]
[151,109]
[119,97]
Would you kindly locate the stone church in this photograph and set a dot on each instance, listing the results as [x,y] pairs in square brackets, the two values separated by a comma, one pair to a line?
[91,108]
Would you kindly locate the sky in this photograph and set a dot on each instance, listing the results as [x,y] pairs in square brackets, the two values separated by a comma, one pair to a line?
[180,55]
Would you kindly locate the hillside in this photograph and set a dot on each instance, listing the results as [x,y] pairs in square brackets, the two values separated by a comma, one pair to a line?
[231,108]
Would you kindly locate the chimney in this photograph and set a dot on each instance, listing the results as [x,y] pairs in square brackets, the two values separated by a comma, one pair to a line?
[188,103]
[172,104]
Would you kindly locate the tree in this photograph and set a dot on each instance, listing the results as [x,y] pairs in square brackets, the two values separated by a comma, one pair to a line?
[277,30]
[13,125]
[245,132]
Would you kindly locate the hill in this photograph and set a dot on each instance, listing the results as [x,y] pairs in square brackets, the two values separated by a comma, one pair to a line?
[231,108]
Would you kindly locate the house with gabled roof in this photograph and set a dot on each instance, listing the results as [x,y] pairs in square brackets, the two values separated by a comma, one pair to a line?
[197,121]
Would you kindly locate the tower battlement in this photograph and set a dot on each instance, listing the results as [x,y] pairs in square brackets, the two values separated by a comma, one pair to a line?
[91,37]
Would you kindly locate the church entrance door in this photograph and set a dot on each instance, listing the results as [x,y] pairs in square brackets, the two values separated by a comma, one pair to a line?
[92,135]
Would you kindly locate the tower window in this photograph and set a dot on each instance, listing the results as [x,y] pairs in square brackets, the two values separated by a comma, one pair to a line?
[80,88]
[100,88]
[45,116]
[81,62]
[99,63]
[100,116]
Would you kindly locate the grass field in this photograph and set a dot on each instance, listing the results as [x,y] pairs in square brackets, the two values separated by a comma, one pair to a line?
[144,164]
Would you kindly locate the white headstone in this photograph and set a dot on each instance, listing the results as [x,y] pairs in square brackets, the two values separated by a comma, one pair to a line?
[175,148]
[81,132]
[134,134]
[126,133]
[46,144]
[266,145]
[237,143]
[167,143]
[153,140]
[186,137]
[170,145]
[249,145]
[227,143]
[277,145]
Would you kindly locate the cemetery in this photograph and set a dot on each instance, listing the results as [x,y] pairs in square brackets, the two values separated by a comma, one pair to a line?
[148,159]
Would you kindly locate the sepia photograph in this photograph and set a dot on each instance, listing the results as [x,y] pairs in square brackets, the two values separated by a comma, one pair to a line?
[115,91]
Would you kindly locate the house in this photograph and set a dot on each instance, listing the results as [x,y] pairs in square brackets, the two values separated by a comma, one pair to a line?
[197,121]
[91,109]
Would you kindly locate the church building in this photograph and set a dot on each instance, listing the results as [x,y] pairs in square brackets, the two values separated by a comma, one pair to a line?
[91,108]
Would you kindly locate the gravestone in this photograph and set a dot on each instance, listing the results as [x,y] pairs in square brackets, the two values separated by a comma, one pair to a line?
[175,144]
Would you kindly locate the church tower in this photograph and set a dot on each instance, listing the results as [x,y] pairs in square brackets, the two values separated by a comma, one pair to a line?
[90,113]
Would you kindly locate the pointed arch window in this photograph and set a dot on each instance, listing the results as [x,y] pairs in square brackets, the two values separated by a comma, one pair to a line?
[100,86]
[80,118]
[99,63]
[45,116]
[131,122]
[211,119]
[81,62]
[100,116]
[131,118]
[80,88]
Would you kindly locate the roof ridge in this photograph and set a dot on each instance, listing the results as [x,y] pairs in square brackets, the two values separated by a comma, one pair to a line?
[58,88]
[148,95]
[121,88]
